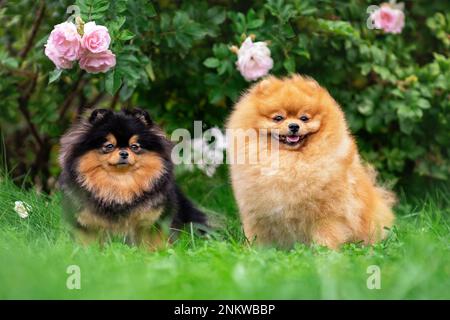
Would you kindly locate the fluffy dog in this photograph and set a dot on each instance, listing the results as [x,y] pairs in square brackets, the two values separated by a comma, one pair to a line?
[319,191]
[117,178]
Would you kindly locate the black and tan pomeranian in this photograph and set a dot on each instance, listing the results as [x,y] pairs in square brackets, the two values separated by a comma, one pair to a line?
[117,179]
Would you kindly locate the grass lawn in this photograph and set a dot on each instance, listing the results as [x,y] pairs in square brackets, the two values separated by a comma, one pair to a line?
[35,253]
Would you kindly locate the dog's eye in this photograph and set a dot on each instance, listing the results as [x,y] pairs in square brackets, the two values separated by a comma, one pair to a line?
[108,147]
[304,118]
[135,147]
[278,118]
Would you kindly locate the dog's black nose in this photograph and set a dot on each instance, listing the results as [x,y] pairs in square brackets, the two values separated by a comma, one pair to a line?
[123,154]
[293,127]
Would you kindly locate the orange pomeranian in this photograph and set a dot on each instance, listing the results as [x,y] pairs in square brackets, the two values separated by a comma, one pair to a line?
[311,186]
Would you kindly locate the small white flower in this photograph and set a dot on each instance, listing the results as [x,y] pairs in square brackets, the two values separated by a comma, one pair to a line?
[22,209]
[208,156]
[221,141]
[210,169]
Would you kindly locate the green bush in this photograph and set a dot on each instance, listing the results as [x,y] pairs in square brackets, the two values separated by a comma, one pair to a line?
[174,59]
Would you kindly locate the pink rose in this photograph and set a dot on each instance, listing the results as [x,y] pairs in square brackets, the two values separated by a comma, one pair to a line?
[63,45]
[95,38]
[388,19]
[97,62]
[254,59]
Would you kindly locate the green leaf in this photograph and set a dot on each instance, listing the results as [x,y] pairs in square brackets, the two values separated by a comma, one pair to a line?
[302,53]
[113,82]
[216,15]
[423,104]
[215,95]
[366,107]
[10,62]
[126,35]
[340,28]
[54,75]
[101,6]
[224,66]
[287,31]
[117,24]
[181,19]
[406,125]
[255,23]
[126,92]
[211,63]
[151,12]
[221,51]
[120,6]
[128,58]
[164,22]
[289,64]
[149,71]
[383,72]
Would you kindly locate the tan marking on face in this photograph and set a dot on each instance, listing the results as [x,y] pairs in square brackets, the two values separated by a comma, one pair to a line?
[118,184]
[133,140]
[111,139]
[113,158]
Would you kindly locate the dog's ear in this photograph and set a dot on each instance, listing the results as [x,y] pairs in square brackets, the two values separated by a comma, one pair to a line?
[142,116]
[98,115]
[262,86]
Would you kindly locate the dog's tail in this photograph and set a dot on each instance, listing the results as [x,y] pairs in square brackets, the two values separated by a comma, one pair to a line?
[387,195]
[186,212]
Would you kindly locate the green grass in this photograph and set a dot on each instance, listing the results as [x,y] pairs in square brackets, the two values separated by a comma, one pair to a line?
[35,253]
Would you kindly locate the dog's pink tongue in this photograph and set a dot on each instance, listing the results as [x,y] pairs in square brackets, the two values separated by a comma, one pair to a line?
[292,139]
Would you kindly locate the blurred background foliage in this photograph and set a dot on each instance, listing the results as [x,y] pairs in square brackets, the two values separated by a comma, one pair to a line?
[173,59]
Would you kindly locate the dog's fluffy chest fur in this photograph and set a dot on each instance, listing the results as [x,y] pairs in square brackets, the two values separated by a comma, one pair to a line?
[124,225]
[290,183]
[284,203]
[294,177]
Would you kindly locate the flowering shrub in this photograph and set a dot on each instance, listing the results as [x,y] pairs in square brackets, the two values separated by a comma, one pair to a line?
[389,70]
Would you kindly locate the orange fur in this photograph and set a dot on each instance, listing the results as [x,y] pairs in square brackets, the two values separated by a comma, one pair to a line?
[319,192]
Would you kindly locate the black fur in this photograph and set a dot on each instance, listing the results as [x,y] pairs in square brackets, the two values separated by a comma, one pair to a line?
[186,211]
[89,134]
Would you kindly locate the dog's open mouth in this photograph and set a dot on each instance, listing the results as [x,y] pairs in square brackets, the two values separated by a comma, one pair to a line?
[291,139]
